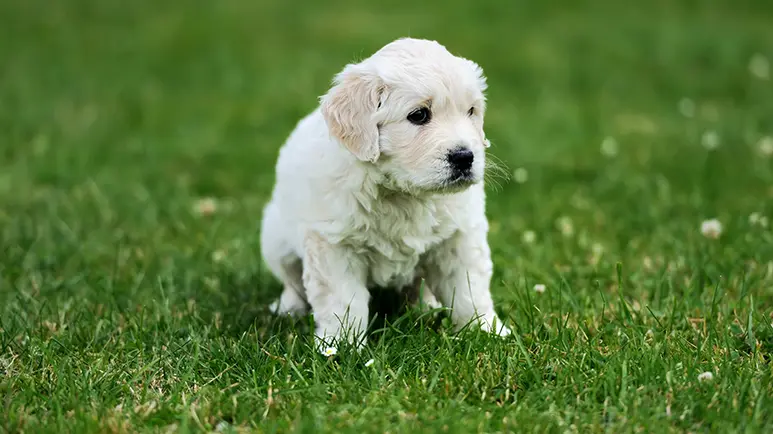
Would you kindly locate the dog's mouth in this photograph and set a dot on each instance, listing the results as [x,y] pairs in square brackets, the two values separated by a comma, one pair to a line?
[461,177]
[458,181]
[449,184]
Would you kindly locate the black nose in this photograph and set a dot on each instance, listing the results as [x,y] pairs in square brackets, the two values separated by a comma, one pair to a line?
[461,160]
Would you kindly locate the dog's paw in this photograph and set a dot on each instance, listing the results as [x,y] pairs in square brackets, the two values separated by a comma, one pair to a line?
[274,307]
[503,331]
[495,326]
[289,303]
[419,296]
[428,302]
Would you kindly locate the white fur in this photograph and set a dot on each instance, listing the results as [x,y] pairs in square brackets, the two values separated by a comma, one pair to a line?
[364,198]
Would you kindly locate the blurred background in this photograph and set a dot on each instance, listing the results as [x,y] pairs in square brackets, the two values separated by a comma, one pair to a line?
[630,122]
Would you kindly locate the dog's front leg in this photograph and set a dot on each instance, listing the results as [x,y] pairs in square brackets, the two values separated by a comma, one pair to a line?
[459,273]
[335,281]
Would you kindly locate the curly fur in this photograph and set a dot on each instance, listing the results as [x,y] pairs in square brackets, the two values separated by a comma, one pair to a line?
[365,198]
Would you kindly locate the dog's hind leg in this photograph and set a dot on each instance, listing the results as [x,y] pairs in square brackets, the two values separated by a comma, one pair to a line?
[292,301]
[419,295]
[284,264]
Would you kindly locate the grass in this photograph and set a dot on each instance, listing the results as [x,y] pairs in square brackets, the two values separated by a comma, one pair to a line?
[124,310]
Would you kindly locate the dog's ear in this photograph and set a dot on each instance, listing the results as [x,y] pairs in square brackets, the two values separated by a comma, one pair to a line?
[349,109]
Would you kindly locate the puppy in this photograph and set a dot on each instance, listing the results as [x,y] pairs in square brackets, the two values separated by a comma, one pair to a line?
[380,186]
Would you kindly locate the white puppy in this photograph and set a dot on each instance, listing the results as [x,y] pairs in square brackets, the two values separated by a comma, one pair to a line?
[381,185]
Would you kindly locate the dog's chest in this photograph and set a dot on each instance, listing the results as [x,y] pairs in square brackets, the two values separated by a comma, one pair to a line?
[394,235]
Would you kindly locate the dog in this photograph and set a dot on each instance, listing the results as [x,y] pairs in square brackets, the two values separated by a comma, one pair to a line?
[382,186]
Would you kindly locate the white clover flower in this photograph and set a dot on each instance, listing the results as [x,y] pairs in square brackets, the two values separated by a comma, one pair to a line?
[765,146]
[687,107]
[205,206]
[369,363]
[710,140]
[757,219]
[218,256]
[609,147]
[647,263]
[521,175]
[705,376]
[759,66]
[540,288]
[597,249]
[330,351]
[565,226]
[711,228]
[529,237]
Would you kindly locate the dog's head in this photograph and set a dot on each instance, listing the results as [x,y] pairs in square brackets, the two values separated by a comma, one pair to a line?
[415,112]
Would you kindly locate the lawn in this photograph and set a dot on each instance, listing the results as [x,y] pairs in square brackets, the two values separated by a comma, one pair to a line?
[137,144]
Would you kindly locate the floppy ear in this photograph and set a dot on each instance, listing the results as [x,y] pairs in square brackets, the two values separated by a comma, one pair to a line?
[349,109]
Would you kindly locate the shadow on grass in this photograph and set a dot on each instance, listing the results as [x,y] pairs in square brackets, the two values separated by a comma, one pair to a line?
[240,304]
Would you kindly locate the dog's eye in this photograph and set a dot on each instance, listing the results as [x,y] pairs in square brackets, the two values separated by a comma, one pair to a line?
[420,116]
[471,111]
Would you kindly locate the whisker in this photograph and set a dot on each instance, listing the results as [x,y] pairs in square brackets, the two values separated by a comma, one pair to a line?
[493,183]
[495,168]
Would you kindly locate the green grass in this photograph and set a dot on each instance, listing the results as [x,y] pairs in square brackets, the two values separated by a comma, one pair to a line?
[122,310]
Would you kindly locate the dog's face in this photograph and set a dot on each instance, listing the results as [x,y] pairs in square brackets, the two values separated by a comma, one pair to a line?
[415,112]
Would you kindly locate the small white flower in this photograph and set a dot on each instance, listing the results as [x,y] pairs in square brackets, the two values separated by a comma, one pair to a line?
[705,376]
[648,263]
[330,351]
[597,249]
[565,226]
[521,175]
[765,146]
[205,206]
[609,147]
[529,237]
[759,66]
[757,219]
[218,256]
[369,363]
[711,228]
[687,107]
[710,140]
[540,288]
[579,202]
